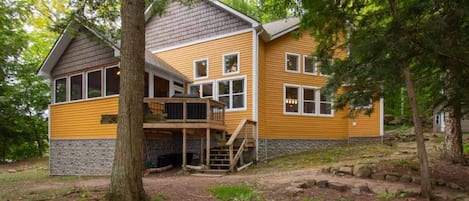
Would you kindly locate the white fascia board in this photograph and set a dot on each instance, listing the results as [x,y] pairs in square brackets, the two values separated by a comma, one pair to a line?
[253,22]
[279,34]
[55,54]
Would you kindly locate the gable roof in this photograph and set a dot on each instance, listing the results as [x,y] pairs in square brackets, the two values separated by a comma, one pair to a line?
[66,38]
[254,23]
[276,29]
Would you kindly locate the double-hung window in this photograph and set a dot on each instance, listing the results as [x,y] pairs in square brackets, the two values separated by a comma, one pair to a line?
[201,69]
[292,62]
[309,100]
[76,87]
[93,82]
[292,99]
[232,92]
[60,90]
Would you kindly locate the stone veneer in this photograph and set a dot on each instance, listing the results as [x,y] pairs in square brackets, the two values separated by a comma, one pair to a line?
[272,148]
[81,157]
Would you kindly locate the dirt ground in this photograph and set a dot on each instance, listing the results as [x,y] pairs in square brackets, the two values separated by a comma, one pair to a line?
[173,185]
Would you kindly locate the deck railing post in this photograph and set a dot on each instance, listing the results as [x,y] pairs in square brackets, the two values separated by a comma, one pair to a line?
[209,113]
[207,144]
[184,111]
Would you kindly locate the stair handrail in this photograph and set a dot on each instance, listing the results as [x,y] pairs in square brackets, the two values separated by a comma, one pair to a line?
[242,124]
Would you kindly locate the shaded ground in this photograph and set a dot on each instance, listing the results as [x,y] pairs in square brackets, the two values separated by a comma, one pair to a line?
[269,180]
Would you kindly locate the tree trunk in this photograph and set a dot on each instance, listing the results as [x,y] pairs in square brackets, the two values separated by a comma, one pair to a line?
[126,179]
[425,183]
[453,150]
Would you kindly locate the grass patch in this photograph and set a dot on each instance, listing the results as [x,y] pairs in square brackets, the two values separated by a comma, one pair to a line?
[322,156]
[397,127]
[466,148]
[234,193]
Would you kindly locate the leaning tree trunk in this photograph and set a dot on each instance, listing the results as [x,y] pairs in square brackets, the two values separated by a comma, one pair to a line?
[126,178]
[425,183]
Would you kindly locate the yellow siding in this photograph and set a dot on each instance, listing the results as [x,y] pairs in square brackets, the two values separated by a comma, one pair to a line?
[365,126]
[183,58]
[272,79]
[82,120]
[261,91]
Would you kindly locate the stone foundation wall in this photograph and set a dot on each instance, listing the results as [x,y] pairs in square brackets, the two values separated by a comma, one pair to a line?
[273,148]
[81,157]
[365,140]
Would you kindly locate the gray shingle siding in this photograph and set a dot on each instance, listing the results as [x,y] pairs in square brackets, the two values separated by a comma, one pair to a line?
[182,24]
[83,52]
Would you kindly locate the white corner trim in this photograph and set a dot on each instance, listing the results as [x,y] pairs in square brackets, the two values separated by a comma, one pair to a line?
[200,41]
[381,116]
[255,78]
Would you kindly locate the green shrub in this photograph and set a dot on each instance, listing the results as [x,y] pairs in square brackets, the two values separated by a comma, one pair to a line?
[234,193]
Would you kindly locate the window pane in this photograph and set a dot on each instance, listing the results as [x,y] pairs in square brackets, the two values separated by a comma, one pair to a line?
[224,87]
[207,90]
[112,81]
[231,63]
[201,68]
[195,90]
[60,90]
[94,84]
[309,107]
[146,88]
[310,64]
[308,94]
[238,86]
[291,99]
[292,62]
[76,87]
[326,108]
[238,101]
[226,100]
[326,98]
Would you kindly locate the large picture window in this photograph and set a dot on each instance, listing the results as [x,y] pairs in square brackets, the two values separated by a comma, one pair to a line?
[231,63]
[201,69]
[309,102]
[94,88]
[60,90]
[292,62]
[232,92]
[76,87]
[112,80]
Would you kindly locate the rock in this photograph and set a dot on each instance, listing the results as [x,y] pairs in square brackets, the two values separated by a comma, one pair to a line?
[294,190]
[391,177]
[322,183]
[453,186]
[378,175]
[346,170]
[406,179]
[305,184]
[411,192]
[338,186]
[334,170]
[356,190]
[340,174]
[440,182]
[11,171]
[416,179]
[326,170]
[362,171]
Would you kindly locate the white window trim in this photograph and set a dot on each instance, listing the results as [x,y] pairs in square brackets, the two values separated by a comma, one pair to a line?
[300,106]
[195,68]
[105,79]
[316,100]
[317,97]
[54,90]
[298,66]
[238,63]
[82,87]
[229,109]
[315,66]
[86,84]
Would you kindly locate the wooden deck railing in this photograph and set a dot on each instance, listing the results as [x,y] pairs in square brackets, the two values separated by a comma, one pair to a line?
[246,131]
[183,110]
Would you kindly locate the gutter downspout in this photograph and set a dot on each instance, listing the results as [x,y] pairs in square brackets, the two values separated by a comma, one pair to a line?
[256,85]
